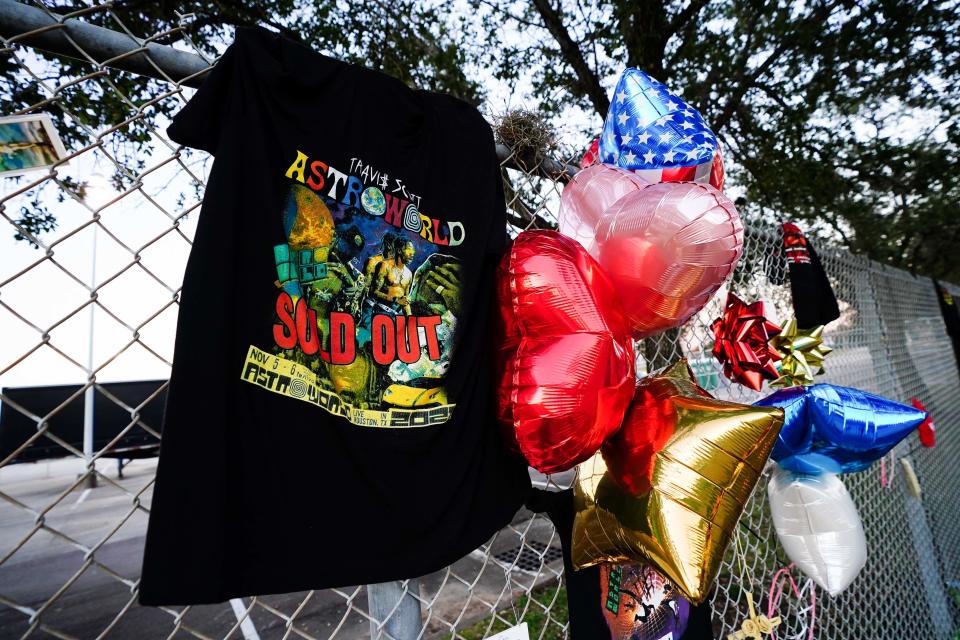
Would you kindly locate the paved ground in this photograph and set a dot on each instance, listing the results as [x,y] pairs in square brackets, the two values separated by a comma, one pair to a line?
[33,571]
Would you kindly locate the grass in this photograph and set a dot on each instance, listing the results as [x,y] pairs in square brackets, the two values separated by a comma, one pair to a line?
[548,619]
[954,592]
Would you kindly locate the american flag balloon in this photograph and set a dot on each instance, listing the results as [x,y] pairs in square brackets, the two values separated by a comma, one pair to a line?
[657,135]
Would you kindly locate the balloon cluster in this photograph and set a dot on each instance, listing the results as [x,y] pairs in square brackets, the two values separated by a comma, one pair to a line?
[665,469]
[646,239]
[675,466]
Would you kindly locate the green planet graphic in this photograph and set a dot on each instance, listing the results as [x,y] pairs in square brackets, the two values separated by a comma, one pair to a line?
[373,201]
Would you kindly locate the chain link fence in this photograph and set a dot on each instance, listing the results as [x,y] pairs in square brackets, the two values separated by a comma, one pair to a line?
[70,553]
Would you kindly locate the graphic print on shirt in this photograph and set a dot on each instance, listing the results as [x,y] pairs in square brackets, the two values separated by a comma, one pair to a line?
[367,299]
[639,604]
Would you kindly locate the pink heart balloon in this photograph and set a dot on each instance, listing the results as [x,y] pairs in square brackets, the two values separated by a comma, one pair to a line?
[667,248]
[588,195]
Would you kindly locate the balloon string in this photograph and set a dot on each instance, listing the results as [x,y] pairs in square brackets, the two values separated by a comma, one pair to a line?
[893,467]
[887,482]
[776,592]
[741,557]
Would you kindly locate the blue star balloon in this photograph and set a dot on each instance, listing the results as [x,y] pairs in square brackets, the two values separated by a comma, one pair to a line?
[653,132]
[834,429]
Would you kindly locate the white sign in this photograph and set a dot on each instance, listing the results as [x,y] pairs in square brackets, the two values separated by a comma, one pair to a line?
[513,633]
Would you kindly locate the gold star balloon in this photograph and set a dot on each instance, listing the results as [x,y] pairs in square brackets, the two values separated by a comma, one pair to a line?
[803,352]
[670,486]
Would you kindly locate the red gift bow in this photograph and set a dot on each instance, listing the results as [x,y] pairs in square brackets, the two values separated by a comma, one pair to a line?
[927,430]
[742,343]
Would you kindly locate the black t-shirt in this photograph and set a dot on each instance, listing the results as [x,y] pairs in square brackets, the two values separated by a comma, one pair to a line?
[329,418]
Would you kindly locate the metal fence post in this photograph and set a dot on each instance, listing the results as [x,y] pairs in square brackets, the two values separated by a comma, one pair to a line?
[395,610]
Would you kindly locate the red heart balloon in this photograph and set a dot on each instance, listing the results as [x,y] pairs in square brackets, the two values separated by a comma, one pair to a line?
[565,357]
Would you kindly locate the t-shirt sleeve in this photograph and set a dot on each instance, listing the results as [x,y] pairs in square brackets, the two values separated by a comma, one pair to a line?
[200,122]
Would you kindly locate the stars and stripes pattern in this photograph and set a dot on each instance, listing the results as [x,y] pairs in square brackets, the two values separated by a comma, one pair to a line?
[656,134]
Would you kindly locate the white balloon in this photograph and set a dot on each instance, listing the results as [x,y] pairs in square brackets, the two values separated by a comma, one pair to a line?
[818,526]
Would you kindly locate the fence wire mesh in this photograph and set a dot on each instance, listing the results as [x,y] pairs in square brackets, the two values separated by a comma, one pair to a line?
[70,555]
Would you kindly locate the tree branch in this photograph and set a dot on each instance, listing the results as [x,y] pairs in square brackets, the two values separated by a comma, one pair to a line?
[681,18]
[588,84]
[643,27]
[820,14]
[495,6]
